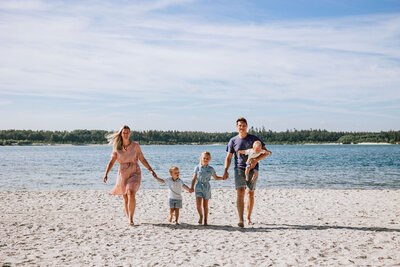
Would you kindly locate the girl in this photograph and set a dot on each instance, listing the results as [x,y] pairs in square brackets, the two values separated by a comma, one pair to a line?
[203,173]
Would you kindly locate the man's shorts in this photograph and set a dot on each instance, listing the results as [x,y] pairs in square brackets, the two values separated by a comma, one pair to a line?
[175,203]
[240,179]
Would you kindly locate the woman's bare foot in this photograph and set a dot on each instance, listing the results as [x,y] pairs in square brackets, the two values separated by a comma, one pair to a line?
[241,224]
[170,219]
[249,222]
[205,223]
[176,223]
[130,223]
[201,220]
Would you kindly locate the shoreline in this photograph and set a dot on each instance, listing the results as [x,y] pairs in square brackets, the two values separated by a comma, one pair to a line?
[218,144]
[292,227]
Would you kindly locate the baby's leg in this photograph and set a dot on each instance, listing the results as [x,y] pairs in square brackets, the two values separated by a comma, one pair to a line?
[205,206]
[199,210]
[247,172]
[176,215]
[255,174]
[171,214]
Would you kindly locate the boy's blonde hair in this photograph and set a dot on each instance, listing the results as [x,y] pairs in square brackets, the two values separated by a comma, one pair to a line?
[172,169]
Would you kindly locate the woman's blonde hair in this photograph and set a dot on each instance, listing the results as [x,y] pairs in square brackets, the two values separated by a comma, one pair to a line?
[205,153]
[115,139]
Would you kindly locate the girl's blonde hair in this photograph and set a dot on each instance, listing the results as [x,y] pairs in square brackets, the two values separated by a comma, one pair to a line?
[115,139]
[205,153]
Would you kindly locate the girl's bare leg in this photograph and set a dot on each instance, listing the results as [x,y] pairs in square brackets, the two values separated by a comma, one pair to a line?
[171,214]
[131,206]
[176,216]
[199,209]
[205,207]
[126,205]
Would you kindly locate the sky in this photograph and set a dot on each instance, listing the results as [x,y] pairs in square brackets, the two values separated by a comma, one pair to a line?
[192,65]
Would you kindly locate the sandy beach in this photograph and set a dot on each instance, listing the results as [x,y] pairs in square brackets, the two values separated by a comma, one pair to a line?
[292,227]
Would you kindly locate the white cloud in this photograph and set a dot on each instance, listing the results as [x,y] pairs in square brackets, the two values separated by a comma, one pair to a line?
[78,50]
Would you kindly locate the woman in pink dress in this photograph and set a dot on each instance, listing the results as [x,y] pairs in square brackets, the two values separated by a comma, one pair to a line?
[126,153]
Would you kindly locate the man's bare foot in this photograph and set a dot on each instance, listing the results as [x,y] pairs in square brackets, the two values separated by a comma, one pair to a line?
[170,219]
[249,222]
[241,224]
[176,223]
[130,223]
[201,220]
[205,223]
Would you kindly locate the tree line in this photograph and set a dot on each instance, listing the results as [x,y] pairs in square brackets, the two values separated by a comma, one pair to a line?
[84,137]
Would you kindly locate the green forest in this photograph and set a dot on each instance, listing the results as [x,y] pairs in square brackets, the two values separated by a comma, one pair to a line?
[86,137]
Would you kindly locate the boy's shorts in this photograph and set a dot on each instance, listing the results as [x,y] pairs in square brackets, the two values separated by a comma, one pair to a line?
[240,179]
[175,203]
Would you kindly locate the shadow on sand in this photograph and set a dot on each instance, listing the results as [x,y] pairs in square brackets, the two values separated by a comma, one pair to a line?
[271,227]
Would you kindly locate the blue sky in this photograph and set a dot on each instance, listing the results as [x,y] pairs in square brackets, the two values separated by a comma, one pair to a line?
[199,65]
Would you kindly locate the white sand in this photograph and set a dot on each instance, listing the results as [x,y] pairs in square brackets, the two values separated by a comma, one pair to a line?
[293,227]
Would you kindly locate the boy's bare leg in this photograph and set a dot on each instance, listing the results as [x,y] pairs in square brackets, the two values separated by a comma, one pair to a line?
[171,214]
[247,172]
[250,205]
[255,174]
[176,216]
[199,210]
[205,207]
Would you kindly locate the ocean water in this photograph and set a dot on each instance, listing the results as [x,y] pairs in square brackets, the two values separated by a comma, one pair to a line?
[290,166]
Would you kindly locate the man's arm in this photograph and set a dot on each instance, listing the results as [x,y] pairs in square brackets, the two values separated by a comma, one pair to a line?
[228,161]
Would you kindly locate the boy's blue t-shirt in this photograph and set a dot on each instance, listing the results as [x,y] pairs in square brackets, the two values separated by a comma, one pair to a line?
[236,143]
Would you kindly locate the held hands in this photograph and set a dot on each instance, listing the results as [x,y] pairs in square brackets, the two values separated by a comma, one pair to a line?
[191,190]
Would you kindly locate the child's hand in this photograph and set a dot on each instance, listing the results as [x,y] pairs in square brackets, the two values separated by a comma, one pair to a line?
[191,190]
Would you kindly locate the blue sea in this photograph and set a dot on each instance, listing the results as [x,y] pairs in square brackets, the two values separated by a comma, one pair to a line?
[290,166]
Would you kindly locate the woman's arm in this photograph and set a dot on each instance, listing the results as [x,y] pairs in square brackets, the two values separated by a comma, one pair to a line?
[147,165]
[109,167]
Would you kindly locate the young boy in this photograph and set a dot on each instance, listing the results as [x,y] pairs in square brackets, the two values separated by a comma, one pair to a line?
[175,185]
[253,153]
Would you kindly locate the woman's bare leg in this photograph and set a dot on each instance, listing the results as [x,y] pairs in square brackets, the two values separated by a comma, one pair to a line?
[131,206]
[126,205]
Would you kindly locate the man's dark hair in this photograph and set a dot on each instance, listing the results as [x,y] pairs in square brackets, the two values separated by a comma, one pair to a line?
[241,119]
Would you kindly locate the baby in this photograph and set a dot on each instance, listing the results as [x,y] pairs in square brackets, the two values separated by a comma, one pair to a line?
[253,153]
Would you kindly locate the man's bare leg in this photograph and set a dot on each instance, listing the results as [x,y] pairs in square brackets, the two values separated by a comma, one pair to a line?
[240,204]
[250,205]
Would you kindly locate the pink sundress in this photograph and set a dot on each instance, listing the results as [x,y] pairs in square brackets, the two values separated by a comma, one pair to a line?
[129,174]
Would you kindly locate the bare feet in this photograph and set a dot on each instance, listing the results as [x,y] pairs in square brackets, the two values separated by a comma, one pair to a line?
[249,222]
[170,219]
[205,223]
[130,223]
[201,220]
[241,224]
[176,223]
